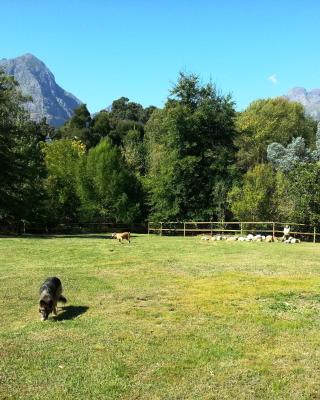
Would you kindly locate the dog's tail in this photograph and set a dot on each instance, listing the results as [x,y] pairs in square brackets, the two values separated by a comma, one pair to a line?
[62,299]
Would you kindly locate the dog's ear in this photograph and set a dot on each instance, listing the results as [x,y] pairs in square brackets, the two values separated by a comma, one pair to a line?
[46,305]
[42,303]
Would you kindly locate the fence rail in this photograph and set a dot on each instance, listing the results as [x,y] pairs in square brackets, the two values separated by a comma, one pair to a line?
[185,228]
[188,228]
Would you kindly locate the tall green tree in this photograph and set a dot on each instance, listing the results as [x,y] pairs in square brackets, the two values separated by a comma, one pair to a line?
[62,158]
[11,120]
[107,188]
[190,152]
[22,169]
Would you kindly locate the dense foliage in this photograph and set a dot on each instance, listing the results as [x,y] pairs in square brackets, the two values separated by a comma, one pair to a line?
[190,152]
[107,187]
[194,159]
[21,162]
[268,121]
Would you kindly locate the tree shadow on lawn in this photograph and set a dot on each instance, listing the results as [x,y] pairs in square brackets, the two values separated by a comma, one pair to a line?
[56,236]
[62,236]
[71,312]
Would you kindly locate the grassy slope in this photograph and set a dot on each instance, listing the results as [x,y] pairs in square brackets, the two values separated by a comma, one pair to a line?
[167,318]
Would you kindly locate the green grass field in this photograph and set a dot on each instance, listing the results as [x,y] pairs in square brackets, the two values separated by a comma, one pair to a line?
[160,318]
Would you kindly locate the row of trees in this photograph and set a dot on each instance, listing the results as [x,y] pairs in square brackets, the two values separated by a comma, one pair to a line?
[194,159]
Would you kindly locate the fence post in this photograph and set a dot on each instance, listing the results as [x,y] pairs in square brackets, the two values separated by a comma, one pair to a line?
[148,228]
[314,234]
[211,225]
[273,229]
[184,229]
[241,228]
[160,228]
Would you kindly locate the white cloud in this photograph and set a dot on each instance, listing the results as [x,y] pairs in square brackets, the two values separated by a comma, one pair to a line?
[273,78]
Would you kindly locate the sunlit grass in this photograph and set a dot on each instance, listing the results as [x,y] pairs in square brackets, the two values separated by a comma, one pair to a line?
[161,318]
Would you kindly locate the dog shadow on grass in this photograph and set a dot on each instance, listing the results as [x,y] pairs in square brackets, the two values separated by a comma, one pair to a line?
[71,312]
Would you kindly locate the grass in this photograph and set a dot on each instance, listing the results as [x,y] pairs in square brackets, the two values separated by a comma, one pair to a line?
[160,318]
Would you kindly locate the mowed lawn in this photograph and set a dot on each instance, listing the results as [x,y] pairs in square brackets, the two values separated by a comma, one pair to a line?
[160,318]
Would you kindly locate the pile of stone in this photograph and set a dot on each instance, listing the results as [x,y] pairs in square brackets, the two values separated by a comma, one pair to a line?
[250,238]
[292,240]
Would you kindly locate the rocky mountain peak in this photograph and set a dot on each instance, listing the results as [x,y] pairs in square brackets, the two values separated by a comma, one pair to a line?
[310,100]
[50,101]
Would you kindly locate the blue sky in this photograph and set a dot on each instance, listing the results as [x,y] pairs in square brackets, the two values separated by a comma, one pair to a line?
[101,50]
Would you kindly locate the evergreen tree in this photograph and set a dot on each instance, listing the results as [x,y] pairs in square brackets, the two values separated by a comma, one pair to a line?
[190,152]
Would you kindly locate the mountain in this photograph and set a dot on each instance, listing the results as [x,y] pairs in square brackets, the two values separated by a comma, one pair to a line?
[36,80]
[310,100]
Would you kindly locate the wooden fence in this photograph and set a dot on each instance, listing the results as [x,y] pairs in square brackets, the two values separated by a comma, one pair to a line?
[19,228]
[235,228]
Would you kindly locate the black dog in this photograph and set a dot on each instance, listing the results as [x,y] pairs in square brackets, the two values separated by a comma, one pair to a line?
[50,294]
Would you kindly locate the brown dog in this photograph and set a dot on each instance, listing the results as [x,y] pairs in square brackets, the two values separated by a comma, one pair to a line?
[121,236]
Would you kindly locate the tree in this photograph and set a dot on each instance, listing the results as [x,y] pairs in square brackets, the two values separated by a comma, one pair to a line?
[190,150]
[147,112]
[79,127]
[107,188]
[304,194]
[11,118]
[316,152]
[62,158]
[119,132]
[285,158]
[252,200]
[101,124]
[268,121]
[22,170]
[123,109]
[100,127]
[31,192]
[134,151]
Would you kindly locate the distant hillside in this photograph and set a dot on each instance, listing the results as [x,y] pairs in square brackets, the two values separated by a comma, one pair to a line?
[36,80]
[310,100]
